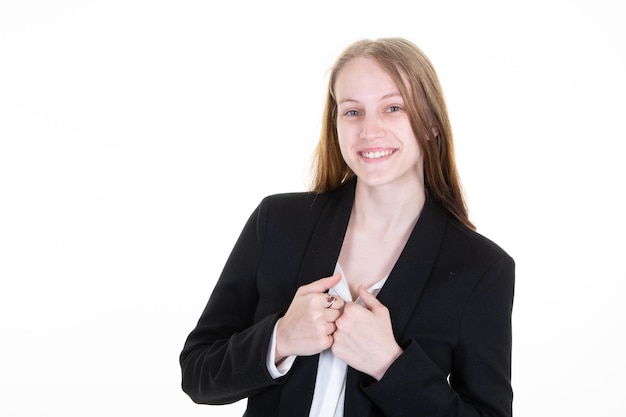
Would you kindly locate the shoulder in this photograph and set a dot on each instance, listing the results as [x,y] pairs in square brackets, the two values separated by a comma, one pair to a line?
[291,206]
[293,201]
[290,213]
[307,204]
[469,260]
[469,244]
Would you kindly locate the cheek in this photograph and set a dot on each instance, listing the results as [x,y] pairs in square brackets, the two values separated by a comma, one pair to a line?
[344,141]
[411,142]
[348,129]
[345,153]
[418,157]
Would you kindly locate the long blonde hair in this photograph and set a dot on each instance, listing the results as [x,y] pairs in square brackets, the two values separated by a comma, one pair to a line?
[421,91]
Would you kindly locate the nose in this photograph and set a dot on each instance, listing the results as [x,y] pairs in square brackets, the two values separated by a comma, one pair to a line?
[372,127]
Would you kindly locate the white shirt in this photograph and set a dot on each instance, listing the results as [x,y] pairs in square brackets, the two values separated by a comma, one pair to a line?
[330,381]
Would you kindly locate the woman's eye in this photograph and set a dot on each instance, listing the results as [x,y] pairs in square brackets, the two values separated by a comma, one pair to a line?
[351,113]
[392,109]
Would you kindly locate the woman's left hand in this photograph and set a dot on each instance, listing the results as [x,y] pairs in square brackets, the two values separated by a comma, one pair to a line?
[364,338]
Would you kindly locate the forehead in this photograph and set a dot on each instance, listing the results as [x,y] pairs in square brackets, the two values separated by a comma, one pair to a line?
[363,76]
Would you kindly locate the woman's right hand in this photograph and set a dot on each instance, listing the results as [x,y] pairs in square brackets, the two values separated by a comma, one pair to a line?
[308,326]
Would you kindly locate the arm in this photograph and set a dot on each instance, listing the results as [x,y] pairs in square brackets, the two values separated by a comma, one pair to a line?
[480,379]
[225,356]
[223,359]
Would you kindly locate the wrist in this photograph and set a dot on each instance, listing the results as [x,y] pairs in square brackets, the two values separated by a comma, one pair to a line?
[394,354]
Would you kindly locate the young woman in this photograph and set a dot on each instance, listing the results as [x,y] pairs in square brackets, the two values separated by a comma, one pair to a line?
[371,295]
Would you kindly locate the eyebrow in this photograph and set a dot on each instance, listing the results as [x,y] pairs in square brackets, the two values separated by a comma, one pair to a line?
[386,96]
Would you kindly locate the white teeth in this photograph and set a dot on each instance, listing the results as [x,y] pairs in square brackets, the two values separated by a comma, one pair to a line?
[377,154]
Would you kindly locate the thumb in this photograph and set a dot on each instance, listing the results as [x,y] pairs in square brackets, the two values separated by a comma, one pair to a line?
[321,285]
[370,302]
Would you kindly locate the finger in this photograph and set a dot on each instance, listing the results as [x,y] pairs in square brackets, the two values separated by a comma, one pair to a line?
[370,302]
[331,315]
[330,300]
[321,285]
[338,303]
[352,312]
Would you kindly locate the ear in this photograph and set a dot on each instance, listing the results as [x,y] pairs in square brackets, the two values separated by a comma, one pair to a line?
[435,132]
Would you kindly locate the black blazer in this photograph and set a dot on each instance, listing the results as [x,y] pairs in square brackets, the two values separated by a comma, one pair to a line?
[450,297]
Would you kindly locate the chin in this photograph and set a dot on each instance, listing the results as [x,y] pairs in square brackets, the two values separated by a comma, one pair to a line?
[380,181]
[370,181]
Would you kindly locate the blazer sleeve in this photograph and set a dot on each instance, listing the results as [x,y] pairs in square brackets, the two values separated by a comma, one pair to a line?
[479,383]
[224,357]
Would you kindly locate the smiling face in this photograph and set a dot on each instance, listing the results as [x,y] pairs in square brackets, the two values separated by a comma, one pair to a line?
[373,127]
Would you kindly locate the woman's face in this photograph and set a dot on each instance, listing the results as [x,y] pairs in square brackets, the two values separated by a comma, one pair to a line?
[375,135]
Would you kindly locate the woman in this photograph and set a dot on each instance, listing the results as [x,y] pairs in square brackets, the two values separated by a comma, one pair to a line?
[372,295]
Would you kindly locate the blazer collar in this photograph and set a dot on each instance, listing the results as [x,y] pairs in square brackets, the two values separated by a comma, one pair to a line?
[408,277]
[325,244]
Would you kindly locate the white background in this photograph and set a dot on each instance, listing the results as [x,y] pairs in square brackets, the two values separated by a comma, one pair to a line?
[137,136]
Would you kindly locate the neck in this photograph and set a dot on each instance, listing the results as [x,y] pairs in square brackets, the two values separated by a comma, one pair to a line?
[388,210]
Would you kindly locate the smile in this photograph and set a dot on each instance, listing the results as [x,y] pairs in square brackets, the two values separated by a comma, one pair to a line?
[377,154]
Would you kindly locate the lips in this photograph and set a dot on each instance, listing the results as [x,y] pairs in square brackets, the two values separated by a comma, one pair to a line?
[376,154]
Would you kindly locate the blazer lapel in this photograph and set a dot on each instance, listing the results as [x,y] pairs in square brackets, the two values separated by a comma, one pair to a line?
[408,277]
[402,292]
[318,262]
[325,244]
